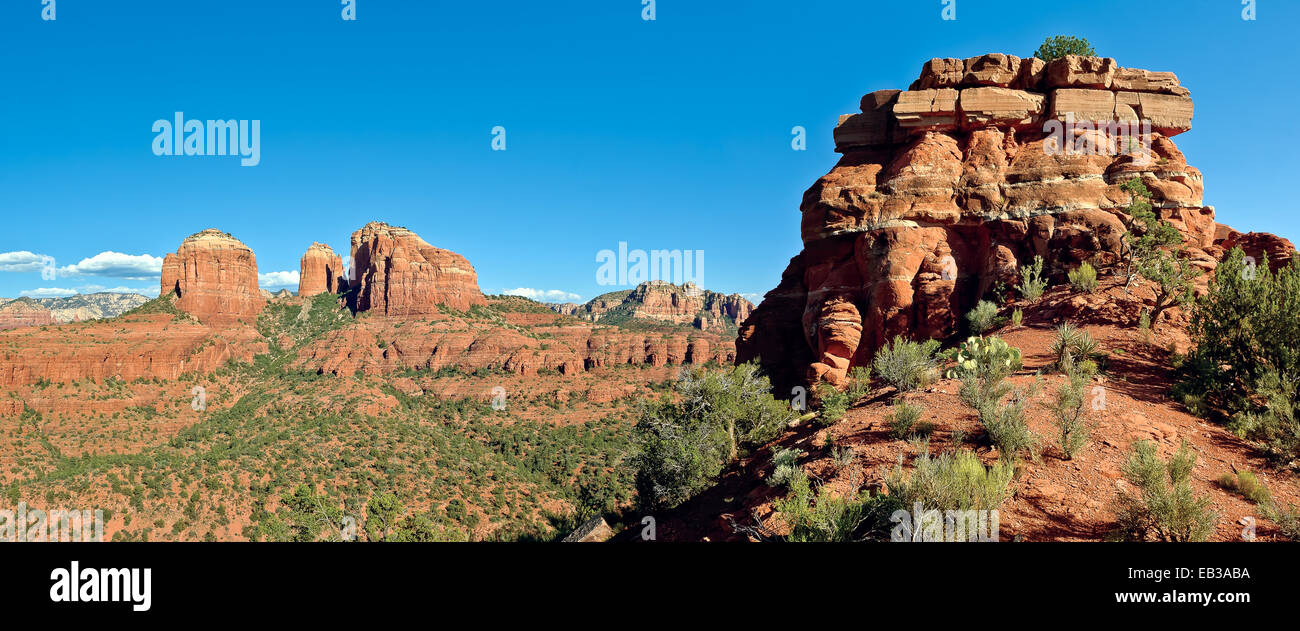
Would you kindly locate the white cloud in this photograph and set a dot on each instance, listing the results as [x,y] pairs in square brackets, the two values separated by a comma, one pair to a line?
[116,265]
[278,279]
[48,292]
[754,298]
[543,295]
[23,261]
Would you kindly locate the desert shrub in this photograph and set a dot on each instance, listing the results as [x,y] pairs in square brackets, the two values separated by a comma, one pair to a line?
[1287,519]
[983,317]
[682,446]
[1031,280]
[785,467]
[1246,362]
[1272,418]
[1007,428]
[983,354]
[903,418]
[989,362]
[1070,412]
[905,364]
[835,402]
[1153,251]
[1084,278]
[825,516]
[1247,485]
[1017,317]
[1075,342]
[1162,503]
[950,481]
[1062,45]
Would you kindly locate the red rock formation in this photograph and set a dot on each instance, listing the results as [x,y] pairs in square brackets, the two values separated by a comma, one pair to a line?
[944,190]
[321,271]
[398,274]
[214,278]
[471,344]
[140,346]
[24,312]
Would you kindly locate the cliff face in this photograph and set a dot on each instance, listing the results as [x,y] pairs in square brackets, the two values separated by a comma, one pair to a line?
[685,304]
[397,274]
[214,278]
[944,190]
[321,271]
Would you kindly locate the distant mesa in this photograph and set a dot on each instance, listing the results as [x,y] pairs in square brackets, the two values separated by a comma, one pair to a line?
[321,272]
[213,276]
[685,304]
[395,273]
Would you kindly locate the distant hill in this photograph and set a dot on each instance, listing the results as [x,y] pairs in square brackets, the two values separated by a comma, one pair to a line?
[660,301]
[81,307]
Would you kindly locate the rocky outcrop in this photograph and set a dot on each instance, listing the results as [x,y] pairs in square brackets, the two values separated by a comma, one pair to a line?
[685,304]
[134,347]
[24,312]
[397,274]
[214,278]
[945,189]
[321,271]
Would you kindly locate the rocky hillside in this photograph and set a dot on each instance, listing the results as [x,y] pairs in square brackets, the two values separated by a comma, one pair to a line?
[685,304]
[79,308]
[24,312]
[946,189]
[96,306]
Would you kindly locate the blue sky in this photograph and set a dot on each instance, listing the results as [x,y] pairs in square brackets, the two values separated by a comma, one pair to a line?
[665,134]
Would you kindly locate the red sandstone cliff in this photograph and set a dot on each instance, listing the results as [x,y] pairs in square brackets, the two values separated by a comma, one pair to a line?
[397,274]
[214,278]
[945,189]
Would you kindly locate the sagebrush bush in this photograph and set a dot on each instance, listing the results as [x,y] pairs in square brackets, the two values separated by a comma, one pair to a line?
[983,317]
[905,364]
[826,516]
[1084,278]
[785,465]
[1247,485]
[1031,280]
[950,481]
[1070,412]
[903,418]
[835,402]
[1162,503]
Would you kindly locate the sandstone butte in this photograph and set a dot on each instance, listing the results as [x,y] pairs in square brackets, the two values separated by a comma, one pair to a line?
[945,189]
[213,276]
[395,273]
[321,271]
